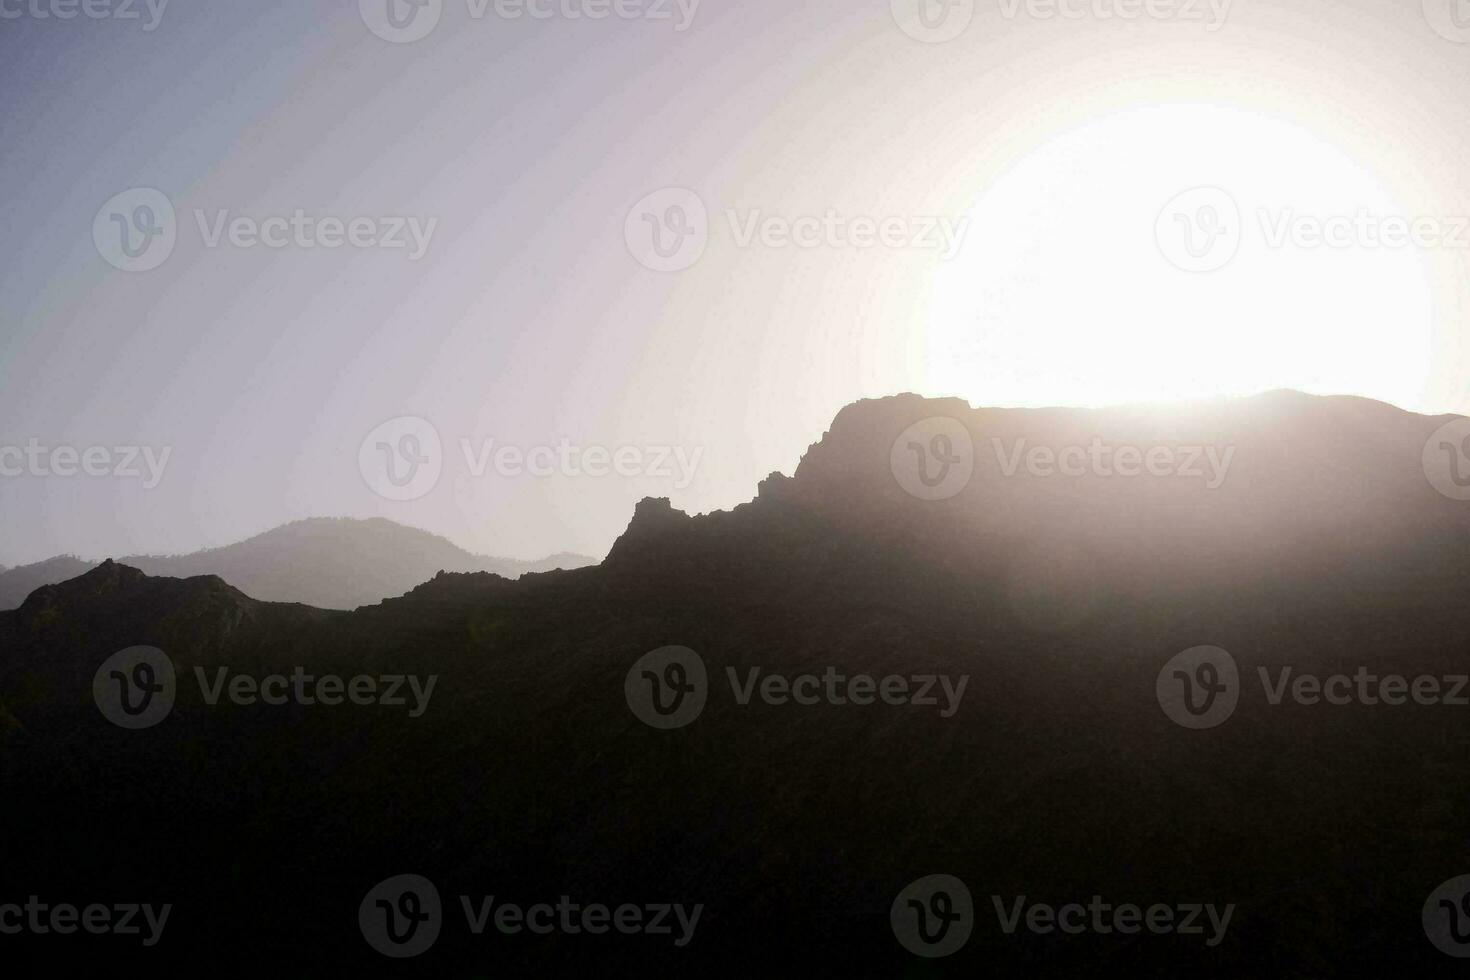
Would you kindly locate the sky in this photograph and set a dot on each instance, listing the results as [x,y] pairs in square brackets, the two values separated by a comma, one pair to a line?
[500,270]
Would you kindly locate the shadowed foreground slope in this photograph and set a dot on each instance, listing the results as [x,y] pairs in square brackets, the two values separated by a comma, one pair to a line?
[1057,775]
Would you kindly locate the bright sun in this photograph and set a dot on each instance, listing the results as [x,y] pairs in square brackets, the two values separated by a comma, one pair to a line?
[1062,293]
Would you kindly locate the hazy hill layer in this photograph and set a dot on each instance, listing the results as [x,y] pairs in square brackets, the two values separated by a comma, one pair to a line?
[331,563]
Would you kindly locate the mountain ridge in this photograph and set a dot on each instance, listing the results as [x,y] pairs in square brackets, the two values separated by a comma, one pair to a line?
[1062,600]
[330,563]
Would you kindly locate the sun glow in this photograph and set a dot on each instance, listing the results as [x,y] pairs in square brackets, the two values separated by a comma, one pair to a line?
[1068,287]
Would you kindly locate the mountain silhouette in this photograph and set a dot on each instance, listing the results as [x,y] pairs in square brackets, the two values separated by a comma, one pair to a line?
[17,583]
[1060,775]
[332,563]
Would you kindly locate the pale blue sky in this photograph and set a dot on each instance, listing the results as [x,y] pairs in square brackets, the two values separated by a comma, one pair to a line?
[528,321]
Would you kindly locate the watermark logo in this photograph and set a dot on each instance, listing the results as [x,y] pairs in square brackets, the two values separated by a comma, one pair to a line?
[401,21]
[1363,687]
[1447,459]
[1207,463]
[833,687]
[569,460]
[306,231]
[40,918]
[330,690]
[1446,917]
[1449,18]
[934,233]
[668,230]
[1202,230]
[1199,688]
[933,917]
[136,231]
[1364,230]
[401,916]
[122,462]
[1104,918]
[1211,13]
[649,10]
[407,21]
[933,459]
[402,459]
[574,918]
[135,688]
[667,688]
[91,9]
[1199,230]
[933,21]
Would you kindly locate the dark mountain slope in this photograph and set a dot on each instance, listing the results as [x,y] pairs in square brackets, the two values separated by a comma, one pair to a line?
[1058,777]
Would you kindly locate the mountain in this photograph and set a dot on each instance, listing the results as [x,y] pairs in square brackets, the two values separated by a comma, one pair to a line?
[17,583]
[1063,600]
[331,563]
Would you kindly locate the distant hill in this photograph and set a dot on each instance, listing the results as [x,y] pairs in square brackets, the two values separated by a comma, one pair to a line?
[17,583]
[330,563]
